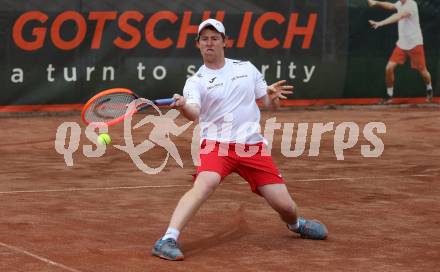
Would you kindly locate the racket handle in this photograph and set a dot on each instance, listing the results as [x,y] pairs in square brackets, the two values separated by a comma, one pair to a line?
[164,102]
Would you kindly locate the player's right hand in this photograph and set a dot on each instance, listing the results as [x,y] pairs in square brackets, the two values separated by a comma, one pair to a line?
[179,103]
[374,24]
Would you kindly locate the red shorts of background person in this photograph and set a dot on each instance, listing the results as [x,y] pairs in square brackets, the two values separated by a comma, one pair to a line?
[416,55]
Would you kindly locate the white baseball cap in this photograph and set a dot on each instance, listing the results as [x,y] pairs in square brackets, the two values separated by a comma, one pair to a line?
[214,23]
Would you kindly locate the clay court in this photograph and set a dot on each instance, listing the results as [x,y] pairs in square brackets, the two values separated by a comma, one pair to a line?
[104,214]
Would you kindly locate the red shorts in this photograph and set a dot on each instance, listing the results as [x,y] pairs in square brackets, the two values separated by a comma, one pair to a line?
[257,168]
[416,55]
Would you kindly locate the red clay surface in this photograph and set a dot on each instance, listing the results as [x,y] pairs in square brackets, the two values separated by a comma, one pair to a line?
[104,214]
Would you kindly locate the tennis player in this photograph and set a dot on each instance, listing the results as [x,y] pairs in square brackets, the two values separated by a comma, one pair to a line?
[410,43]
[221,94]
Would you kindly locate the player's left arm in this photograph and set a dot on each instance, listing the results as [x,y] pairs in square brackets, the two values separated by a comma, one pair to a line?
[390,20]
[275,92]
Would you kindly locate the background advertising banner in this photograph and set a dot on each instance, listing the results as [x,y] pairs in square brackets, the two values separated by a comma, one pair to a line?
[63,52]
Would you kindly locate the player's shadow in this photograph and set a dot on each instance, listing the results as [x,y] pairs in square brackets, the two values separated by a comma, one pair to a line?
[231,232]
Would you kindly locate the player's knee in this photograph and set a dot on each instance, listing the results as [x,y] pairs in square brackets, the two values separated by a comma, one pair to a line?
[205,187]
[390,68]
[423,71]
[208,189]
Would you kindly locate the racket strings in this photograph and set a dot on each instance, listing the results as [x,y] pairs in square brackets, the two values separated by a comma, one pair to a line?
[109,107]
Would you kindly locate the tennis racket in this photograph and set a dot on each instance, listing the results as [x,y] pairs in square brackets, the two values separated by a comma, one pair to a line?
[112,106]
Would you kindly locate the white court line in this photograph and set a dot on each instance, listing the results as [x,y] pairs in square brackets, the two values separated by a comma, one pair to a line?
[94,189]
[47,261]
[188,185]
[331,179]
[350,178]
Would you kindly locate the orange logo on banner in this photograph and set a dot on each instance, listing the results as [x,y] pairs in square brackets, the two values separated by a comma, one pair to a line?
[133,35]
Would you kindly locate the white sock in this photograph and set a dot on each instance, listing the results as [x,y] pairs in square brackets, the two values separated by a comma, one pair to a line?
[429,87]
[171,233]
[390,91]
[295,226]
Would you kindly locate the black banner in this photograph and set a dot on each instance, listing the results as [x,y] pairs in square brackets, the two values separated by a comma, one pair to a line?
[64,52]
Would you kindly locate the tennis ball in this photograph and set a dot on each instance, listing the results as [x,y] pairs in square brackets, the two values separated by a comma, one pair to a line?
[104,139]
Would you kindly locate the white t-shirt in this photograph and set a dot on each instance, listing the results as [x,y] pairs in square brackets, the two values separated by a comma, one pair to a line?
[410,33]
[226,96]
